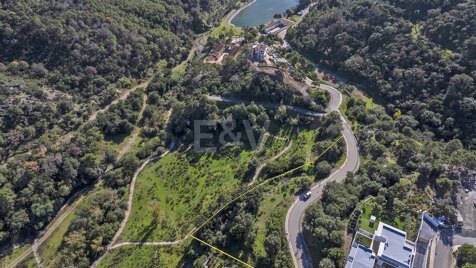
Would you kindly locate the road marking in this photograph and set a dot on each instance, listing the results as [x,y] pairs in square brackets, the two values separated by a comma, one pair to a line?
[221,251]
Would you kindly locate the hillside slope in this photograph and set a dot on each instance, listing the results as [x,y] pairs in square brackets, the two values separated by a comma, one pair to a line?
[418,55]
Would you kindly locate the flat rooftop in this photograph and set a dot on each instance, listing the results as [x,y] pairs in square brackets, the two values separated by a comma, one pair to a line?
[360,257]
[396,249]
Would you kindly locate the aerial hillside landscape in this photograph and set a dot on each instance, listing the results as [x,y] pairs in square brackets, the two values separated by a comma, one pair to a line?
[218,133]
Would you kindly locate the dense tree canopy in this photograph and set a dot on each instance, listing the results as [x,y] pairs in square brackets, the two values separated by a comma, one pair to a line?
[59,62]
[419,55]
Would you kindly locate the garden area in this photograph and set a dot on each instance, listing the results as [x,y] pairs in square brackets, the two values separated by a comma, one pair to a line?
[371,208]
[363,240]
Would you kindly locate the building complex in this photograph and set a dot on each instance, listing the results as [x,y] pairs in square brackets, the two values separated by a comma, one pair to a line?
[388,247]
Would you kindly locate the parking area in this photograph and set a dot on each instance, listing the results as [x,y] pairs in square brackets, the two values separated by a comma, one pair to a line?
[467,208]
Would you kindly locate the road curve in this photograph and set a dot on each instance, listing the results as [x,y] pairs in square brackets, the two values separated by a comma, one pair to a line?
[295,215]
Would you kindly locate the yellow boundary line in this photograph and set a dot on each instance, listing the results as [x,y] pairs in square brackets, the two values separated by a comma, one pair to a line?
[249,190]
[266,181]
[221,251]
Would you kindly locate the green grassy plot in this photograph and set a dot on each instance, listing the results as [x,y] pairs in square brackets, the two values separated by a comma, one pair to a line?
[363,240]
[172,193]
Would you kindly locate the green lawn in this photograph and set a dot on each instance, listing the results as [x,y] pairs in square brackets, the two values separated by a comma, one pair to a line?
[368,210]
[184,187]
[275,203]
[225,28]
[363,240]
[365,220]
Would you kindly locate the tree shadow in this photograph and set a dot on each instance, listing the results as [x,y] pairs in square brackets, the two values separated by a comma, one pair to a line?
[148,231]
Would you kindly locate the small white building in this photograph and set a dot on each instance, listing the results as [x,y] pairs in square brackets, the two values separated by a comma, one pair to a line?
[258,51]
[372,220]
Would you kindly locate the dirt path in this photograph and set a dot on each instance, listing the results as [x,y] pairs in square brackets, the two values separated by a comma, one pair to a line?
[64,212]
[165,243]
[72,203]
[34,247]
[135,132]
[129,206]
[112,244]
[66,137]
[197,46]
[122,96]
[258,169]
[128,213]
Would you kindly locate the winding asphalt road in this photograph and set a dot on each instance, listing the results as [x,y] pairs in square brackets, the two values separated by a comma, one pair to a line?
[294,218]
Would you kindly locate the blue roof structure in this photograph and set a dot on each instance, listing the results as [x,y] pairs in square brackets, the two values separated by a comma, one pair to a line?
[432,222]
[360,257]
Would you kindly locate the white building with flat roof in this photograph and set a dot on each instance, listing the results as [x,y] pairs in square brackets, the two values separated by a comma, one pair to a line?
[389,249]
[392,247]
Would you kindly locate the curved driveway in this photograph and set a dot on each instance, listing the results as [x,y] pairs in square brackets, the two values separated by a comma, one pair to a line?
[294,218]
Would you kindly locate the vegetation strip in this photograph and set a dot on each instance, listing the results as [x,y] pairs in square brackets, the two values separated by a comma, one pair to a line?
[221,251]
[266,181]
[251,189]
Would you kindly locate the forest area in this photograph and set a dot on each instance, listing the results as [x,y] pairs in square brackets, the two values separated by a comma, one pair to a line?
[60,61]
[417,59]
[63,61]
[251,227]
[419,56]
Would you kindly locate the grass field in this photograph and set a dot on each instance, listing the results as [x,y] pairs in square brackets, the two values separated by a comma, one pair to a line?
[281,192]
[226,28]
[275,204]
[146,256]
[182,186]
[117,142]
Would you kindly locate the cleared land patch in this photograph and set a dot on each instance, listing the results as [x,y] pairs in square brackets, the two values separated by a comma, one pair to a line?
[172,192]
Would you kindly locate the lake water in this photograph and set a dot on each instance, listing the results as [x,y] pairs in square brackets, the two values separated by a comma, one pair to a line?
[262,12]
